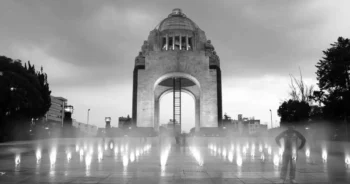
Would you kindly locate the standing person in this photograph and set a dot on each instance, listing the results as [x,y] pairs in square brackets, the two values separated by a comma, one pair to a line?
[291,138]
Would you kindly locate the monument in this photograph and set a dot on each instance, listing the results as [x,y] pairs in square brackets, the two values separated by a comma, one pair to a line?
[177,57]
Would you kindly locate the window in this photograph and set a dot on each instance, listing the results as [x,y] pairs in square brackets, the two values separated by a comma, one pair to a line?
[176,43]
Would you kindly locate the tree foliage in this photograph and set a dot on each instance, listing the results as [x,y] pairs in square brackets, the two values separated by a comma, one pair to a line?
[24,92]
[297,109]
[333,75]
[293,111]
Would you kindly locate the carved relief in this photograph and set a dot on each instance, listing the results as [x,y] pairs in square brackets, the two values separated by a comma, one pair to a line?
[153,40]
[214,59]
[210,51]
[145,48]
[140,59]
[209,48]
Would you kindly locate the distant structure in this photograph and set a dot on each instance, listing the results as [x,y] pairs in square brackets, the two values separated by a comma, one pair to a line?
[125,122]
[170,125]
[229,123]
[177,57]
[90,130]
[243,126]
[108,123]
[67,120]
[168,128]
[55,115]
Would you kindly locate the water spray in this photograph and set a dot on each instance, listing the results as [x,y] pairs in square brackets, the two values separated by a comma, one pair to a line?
[69,156]
[53,155]
[38,155]
[17,159]
[324,156]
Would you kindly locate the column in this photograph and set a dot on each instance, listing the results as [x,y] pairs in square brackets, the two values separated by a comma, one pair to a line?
[156,115]
[197,116]
[186,42]
[180,41]
[167,42]
[173,42]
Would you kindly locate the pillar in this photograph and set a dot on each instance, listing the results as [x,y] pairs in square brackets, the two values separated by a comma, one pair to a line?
[156,115]
[186,42]
[197,112]
[173,42]
[180,41]
[167,42]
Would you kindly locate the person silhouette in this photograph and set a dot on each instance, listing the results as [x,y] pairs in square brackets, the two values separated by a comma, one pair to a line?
[291,139]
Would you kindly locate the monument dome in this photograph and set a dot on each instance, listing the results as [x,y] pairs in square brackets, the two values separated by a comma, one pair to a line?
[177,20]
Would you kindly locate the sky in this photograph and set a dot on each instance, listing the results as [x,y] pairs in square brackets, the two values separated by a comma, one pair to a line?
[88,48]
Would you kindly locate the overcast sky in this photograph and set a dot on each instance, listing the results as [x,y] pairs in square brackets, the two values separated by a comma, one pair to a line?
[88,48]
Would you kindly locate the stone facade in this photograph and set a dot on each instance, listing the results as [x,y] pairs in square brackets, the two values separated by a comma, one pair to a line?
[177,48]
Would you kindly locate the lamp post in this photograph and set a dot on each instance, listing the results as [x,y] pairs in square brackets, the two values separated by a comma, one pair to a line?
[271,117]
[88,116]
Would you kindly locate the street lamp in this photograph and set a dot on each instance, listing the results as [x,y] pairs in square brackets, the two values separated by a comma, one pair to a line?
[88,116]
[271,118]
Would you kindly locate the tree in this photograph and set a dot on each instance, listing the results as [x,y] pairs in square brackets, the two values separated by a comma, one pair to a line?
[299,90]
[24,95]
[293,111]
[297,109]
[333,75]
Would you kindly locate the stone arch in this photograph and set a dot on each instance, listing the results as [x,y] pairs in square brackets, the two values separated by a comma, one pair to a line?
[194,91]
[184,90]
[176,74]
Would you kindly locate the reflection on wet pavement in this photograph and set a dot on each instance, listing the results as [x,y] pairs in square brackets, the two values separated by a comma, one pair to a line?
[136,161]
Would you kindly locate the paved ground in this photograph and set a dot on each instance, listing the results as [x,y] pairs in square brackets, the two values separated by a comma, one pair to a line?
[150,163]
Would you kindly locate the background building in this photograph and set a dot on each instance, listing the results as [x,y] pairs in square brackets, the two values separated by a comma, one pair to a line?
[55,115]
[125,122]
[87,129]
[243,126]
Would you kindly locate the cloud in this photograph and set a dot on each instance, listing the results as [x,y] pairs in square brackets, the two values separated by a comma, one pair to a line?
[110,101]
[87,45]
[256,96]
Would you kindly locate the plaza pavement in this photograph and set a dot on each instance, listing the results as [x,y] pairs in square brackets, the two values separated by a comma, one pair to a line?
[143,162]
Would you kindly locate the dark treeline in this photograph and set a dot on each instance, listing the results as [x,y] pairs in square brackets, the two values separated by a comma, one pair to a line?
[331,102]
[24,97]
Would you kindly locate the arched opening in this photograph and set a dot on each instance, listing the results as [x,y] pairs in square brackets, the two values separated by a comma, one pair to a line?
[188,111]
[177,85]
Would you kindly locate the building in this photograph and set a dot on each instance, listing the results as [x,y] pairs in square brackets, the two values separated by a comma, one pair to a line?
[67,120]
[253,126]
[55,115]
[168,128]
[229,123]
[124,122]
[243,125]
[177,57]
[87,129]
